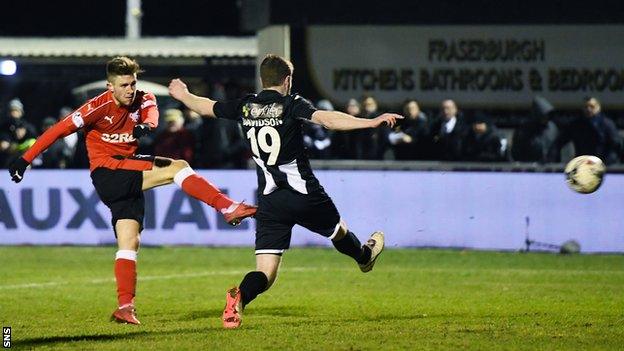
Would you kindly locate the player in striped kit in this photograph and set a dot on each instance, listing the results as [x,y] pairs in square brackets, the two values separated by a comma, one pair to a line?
[288,191]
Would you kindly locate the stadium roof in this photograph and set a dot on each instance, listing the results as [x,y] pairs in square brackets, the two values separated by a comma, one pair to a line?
[144,47]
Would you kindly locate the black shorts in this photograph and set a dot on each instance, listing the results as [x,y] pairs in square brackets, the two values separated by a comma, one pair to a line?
[121,190]
[280,210]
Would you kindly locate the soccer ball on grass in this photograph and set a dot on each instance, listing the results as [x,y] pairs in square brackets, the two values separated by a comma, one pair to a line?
[584,173]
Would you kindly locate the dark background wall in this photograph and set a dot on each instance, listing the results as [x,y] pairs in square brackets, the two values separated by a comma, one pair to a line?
[446,12]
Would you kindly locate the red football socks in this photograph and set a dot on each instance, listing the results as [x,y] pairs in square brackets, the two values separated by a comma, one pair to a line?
[125,275]
[202,190]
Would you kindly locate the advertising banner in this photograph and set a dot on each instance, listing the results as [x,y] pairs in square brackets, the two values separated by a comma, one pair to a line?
[441,209]
[478,66]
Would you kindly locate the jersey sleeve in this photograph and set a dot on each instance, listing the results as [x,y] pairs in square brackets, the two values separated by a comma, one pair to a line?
[149,110]
[85,115]
[302,108]
[61,129]
[228,109]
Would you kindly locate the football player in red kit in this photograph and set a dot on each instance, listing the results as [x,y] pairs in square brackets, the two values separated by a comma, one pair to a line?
[113,121]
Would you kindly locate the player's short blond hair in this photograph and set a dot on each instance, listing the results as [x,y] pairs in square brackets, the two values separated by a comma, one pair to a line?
[274,69]
[121,66]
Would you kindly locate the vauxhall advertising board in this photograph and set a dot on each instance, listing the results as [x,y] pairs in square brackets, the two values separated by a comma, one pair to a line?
[444,209]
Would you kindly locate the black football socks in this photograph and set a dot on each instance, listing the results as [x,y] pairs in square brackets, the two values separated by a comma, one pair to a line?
[253,285]
[351,246]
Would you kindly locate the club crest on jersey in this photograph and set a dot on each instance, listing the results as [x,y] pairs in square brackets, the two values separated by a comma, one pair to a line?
[134,116]
[77,119]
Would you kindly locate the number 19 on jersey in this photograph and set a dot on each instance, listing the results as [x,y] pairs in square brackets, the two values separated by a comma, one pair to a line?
[267,140]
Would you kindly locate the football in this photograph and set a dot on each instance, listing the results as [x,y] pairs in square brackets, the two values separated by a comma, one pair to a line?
[584,173]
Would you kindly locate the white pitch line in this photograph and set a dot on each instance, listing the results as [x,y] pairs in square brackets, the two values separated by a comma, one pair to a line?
[148,278]
[505,271]
[29,285]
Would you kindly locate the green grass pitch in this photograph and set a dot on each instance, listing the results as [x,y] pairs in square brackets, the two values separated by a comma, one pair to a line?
[60,298]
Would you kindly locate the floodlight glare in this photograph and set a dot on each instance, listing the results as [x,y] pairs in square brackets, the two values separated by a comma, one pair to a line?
[8,67]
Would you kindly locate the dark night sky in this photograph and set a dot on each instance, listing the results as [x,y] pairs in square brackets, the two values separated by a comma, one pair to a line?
[206,17]
[85,18]
[94,18]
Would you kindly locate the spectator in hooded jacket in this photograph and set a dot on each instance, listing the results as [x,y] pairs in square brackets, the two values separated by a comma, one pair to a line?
[536,139]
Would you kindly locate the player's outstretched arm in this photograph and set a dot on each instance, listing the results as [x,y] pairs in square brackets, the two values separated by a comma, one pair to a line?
[335,120]
[179,91]
[61,129]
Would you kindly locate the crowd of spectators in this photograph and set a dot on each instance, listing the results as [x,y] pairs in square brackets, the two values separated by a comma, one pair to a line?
[445,134]
[451,135]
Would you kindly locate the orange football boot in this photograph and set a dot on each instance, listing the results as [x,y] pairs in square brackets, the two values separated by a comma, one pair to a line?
[241,212]
[233,308]
[125,314]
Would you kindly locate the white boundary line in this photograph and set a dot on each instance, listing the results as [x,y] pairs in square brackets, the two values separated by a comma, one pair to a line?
[146,278]
[505,271]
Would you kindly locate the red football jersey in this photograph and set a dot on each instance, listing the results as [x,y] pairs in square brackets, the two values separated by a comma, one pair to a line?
[108,129]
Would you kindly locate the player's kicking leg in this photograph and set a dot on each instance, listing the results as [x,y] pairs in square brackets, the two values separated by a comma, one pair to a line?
[167,171]
[365,255]
[127,231]
[319,214]
[254,283]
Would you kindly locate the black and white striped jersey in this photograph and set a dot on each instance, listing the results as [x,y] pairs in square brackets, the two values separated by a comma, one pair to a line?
[272,124]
